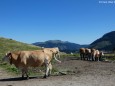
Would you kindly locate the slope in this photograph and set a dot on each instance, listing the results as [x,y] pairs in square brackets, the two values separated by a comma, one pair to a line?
[106,42]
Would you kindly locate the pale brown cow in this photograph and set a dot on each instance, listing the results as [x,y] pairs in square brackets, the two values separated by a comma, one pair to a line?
[85,53]
[96,55]
[88,53]
[25,59]
[82,53]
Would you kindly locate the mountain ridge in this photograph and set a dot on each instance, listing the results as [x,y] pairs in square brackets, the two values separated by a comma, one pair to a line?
[64,46]
[106,42]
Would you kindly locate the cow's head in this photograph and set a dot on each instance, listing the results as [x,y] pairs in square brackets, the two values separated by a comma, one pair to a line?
[101,53]
[8,58]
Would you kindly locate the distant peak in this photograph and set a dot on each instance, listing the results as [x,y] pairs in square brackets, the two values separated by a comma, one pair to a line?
[57,41]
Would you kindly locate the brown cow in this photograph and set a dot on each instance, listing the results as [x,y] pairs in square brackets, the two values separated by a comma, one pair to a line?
[88,53]
[25,59]
[96,55]
[82,53]
[85,53]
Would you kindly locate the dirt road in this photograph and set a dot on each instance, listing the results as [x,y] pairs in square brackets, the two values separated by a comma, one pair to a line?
[78,73]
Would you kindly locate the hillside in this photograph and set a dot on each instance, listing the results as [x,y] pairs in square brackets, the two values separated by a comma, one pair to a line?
[106,42]
[12,45]
[64,46]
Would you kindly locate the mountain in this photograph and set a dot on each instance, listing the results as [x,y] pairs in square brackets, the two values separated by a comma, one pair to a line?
[106,42]
[64,46]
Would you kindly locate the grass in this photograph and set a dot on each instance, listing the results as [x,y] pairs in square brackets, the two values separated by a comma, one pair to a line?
[70,56]
[110,57]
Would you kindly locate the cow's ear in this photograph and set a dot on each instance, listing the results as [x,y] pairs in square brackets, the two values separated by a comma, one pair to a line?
[8,53]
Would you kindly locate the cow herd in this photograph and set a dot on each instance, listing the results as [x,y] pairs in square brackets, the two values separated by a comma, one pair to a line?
[90,54]
[36,58]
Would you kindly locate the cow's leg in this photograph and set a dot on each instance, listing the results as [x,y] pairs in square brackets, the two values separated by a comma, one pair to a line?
[87,56]
[90,57]
[81,56]
[26,72]
[93,57]
[50,69]
[47,71]
[23,72]
[99,58]
[47,68]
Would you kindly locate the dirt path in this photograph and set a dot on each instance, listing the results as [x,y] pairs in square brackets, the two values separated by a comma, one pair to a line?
[79,73]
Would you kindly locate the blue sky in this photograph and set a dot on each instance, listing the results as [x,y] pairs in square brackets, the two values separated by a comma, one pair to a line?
[78,21]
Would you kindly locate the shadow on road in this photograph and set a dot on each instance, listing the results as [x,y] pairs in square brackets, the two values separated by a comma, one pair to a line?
[17,79]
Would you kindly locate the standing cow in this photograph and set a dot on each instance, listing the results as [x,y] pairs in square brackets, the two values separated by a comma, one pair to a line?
[88,53]
[85,53]
[96,55]
[82,53]
[25,59]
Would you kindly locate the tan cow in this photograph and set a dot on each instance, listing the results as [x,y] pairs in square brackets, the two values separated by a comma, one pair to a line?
[56,52]
[25,59]
[88,53]
[85,53]
[96,55]
[82,53]
[93,54]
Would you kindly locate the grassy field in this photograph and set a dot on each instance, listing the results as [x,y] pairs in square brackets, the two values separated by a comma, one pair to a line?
[110,56]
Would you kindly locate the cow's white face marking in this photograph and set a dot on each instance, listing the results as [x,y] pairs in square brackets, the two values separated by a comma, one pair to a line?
[102,53]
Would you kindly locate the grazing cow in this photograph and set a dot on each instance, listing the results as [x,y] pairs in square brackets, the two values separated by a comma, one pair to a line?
[56,52]
[25,59]
[96,55]
[82,53]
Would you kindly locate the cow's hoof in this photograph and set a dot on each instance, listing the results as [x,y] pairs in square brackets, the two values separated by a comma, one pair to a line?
[22,77]
[27,78]
[44,77]
[49,75]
